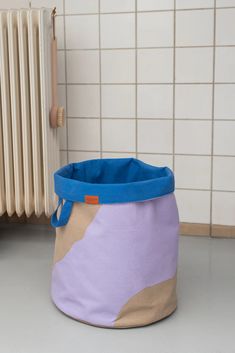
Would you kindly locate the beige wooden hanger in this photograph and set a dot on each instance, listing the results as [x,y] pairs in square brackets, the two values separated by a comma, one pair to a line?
[57,113]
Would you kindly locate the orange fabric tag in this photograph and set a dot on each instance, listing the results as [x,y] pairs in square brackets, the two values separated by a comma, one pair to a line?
[93,200]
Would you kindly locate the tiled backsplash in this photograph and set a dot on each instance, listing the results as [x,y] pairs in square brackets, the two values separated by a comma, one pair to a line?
[153,79]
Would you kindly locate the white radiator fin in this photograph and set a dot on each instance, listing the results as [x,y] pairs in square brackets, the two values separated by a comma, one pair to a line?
[28,145]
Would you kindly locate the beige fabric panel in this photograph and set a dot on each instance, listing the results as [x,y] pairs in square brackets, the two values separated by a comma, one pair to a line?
[81,216]
[150,305]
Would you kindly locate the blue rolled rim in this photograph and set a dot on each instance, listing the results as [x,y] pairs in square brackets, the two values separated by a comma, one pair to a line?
[116,180]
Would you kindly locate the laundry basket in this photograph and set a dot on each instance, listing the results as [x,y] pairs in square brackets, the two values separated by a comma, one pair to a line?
[116,245]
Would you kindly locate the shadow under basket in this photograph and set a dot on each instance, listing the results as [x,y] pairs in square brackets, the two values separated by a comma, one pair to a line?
[116,245]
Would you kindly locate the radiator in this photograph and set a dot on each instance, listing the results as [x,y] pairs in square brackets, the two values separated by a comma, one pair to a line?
[29,150]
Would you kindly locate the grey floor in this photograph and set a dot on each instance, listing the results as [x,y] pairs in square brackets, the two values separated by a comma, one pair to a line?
[203,323]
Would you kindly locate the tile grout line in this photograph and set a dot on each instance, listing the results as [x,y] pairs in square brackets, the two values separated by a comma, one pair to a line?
[153,153]
[66,85]
[204,190]
[150,47]
[148,11]
[212,123]
[150,119]
[136,82]
[100,86]
[146,83]
[174,70]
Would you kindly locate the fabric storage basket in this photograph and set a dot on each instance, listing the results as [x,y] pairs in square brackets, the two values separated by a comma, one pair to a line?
[116,244]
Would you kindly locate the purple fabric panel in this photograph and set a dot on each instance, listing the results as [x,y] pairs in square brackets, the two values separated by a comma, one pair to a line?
[126,248]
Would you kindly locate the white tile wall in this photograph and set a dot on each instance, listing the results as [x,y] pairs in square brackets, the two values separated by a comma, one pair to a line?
[194,205]
[83,66]
[225,3]
[194,27]
[63,137]
[118,101]
[62,96]
[155,65]
[118,135]
[83,101]
[63,158]
[117,30]
[118,155]
[155,136]
[194,65]
[82,32]
[225,29]
[81,6]
[61,67]
[224,101]
[75,156]
[193,101]
[224,173]
[224,138]
[84,134]
[159,160]
[118,66]
[223,208]
[193,172]
[194,4]
[7,4]
[59,23]
[153,79]
[117,6]
[224,64]
[150,5]
[193,137]
[42,3]
[155,101]
[155,29]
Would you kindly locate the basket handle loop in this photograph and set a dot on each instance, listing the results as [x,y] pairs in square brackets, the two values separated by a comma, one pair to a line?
[64,215]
